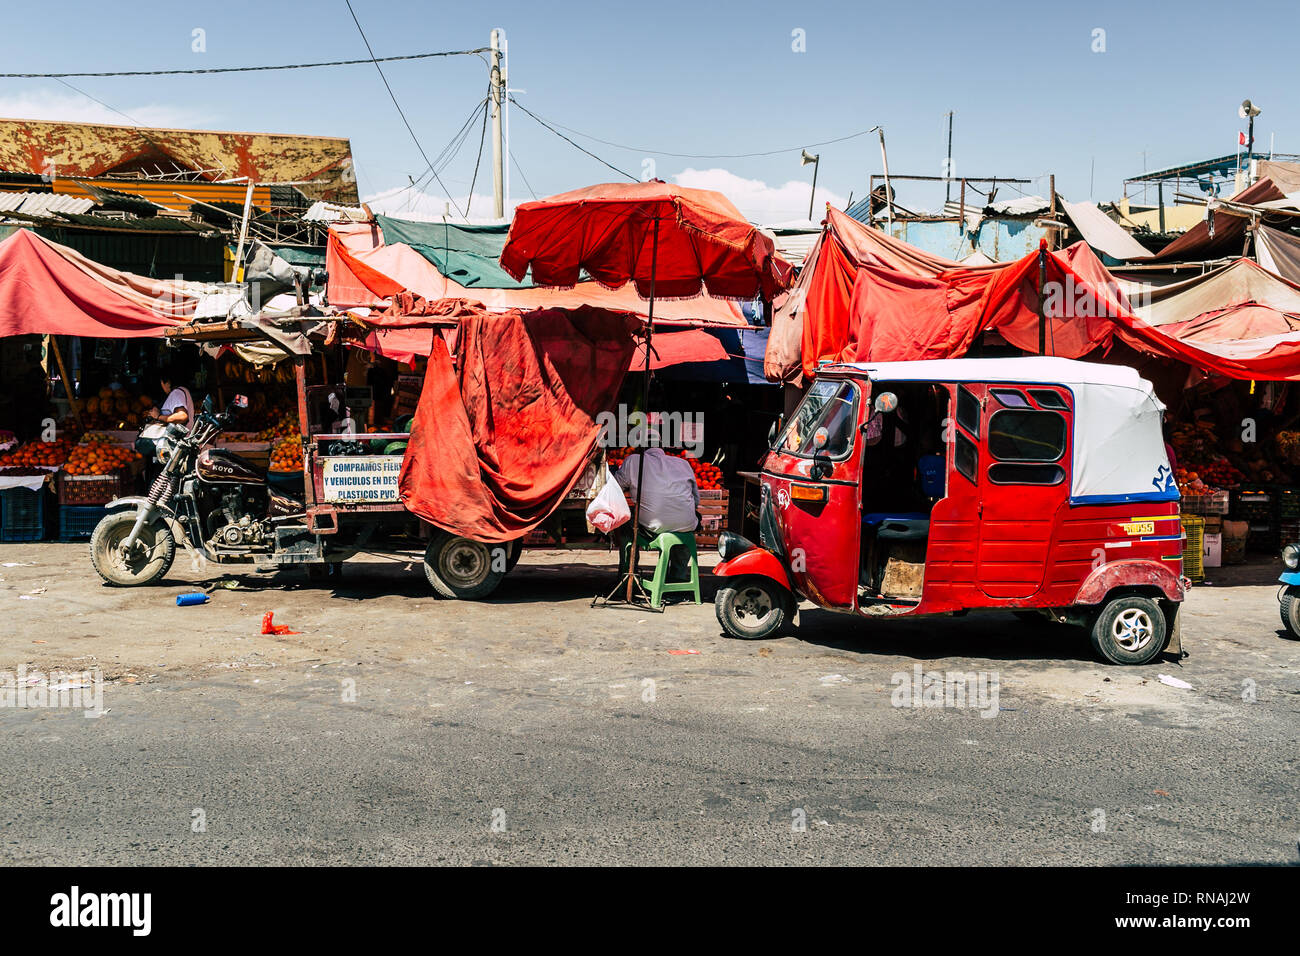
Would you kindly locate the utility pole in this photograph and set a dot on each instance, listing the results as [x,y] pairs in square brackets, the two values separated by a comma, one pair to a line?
[947,170]
[496,102]
[889,192]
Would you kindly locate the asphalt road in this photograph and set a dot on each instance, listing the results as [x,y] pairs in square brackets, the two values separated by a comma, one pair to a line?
[395,728]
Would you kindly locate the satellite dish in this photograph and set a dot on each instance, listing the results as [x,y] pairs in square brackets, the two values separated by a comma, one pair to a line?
[1248,109]
[808,158]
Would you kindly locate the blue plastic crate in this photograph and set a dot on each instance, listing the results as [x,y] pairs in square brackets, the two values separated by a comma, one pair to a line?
[76,522]
[22,514]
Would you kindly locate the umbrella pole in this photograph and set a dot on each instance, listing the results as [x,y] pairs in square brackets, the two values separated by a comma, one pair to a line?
[645,410]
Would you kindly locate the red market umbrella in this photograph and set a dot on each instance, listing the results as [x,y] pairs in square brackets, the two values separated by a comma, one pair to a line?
[670,241]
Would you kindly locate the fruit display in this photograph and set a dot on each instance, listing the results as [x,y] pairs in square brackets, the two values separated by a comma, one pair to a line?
[113,408]
[707,477]
[1202,468]
[282,425]
[235,371]
[37,454]
[96,455]
[286,454]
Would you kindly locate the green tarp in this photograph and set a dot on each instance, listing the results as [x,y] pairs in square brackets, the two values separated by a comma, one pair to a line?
[468,255]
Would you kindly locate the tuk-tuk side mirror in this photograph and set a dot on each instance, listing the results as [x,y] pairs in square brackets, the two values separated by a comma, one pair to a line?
[885,402]
[207,405]
[775,430]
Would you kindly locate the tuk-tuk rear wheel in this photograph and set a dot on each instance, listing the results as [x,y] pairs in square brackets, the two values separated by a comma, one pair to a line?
[1290,609]
[752,607]
[1130,629]
[462,568]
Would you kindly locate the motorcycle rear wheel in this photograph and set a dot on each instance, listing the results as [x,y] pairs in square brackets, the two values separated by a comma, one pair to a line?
[154,553]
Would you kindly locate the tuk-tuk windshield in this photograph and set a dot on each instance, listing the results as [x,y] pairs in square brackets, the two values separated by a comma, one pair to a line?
[829,404]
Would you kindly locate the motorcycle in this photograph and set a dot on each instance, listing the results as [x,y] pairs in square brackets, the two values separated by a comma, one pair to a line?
[210,500]
[1289,595]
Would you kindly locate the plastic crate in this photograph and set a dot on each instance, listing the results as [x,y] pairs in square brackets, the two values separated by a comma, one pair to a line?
[93,489]
[1193,547]
[1288,502]
[1252,503]
[1215,503]
[22,515]
[76,522]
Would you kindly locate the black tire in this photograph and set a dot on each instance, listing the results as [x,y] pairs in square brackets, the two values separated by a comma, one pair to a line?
[516,552]
[752,607]
[461,568]
[1129,630]
[156,551]
[1290,610]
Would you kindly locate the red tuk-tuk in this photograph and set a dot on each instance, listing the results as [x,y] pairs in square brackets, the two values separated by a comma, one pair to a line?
[1037,485]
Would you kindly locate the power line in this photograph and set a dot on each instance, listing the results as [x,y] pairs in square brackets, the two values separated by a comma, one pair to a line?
[244,69]
[521,174]
[100,102]
[482,135]
[571,142]
[663,152]
[393,97]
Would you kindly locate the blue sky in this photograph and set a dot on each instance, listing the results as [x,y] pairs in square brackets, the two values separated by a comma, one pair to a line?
[1029,94]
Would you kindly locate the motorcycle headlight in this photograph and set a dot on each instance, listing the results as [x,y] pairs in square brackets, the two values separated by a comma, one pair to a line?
[1291,556]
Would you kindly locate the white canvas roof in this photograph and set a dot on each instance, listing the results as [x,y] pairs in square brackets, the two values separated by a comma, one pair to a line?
[1119,449]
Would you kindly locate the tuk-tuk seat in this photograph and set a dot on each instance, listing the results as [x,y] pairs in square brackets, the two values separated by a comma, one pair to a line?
[898,525]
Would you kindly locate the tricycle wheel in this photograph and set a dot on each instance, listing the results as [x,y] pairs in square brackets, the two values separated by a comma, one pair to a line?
[1129,630]
[148,561]
[752,607]
[1291,611]
[462,568]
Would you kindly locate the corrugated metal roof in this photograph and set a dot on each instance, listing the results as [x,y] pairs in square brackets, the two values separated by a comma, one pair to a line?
[793,245]
[44,204]
[322,211]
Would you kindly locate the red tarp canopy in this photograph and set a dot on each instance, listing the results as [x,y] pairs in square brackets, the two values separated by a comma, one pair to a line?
[607,230]
[366,272]
[500,437]
[1239,320]
[48,289]
[865,296]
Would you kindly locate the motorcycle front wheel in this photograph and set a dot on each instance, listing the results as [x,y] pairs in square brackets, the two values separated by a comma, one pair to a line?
[149,560]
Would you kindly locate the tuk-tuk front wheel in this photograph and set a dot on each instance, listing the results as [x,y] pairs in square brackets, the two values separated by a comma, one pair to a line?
[462,568]
[752,607]
[1130,629]
[1291,611]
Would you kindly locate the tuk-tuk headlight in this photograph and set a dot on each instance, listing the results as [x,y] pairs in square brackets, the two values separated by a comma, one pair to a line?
[1291,556]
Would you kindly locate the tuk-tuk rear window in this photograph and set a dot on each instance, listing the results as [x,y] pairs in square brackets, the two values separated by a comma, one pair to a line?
[831,405]
[1020,435]
[968,410]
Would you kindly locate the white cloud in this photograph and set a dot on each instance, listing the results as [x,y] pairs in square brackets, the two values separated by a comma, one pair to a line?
[74,108]
[407,203]
[759,202]
[756,200]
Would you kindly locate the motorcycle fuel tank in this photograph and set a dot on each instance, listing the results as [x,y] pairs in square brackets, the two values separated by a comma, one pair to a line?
[218,466]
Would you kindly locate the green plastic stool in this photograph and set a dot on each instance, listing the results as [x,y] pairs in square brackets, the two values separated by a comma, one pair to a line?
[659,584]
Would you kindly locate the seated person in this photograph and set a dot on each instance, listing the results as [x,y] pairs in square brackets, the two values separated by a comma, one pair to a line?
[670,500]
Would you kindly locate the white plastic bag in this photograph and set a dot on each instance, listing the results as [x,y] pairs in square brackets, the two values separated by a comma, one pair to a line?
[609,508]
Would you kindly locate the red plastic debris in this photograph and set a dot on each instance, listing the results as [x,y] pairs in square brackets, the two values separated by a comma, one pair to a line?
[269,627]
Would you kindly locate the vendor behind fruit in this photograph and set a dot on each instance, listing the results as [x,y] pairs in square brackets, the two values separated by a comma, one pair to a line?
[177,408]
[670,499]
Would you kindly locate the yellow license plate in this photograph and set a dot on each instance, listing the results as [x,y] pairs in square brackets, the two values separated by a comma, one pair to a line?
[1139,527]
